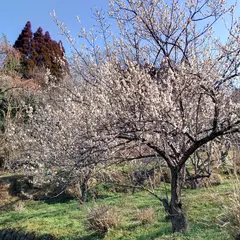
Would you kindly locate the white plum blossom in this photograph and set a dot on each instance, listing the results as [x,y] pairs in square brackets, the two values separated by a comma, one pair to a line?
[164,86]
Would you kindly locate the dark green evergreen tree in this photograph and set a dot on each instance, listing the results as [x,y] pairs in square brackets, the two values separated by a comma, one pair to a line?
[39,47]
[24,45]
[48,50]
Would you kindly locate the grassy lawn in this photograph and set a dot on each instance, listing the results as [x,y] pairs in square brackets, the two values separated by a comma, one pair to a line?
[67,220]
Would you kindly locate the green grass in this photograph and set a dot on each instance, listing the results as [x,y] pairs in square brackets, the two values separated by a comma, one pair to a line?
[67,220]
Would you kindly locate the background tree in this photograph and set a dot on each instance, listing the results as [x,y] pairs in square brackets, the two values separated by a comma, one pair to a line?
[58,66]
[24,45]
[64,154]
[13,98]
[39,47]
[49,54]
[40,52]
[9,57]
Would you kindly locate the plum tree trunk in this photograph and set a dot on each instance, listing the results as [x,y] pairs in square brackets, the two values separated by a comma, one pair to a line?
[84,191]
[177,215]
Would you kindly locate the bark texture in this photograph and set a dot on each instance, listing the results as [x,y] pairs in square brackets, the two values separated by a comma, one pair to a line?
[177,215]
[84,191]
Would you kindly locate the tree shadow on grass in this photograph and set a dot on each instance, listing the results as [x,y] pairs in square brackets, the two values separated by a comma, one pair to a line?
[56,200]
[155,235]
[12,234]
[151,236]
[133,226]
[90,237]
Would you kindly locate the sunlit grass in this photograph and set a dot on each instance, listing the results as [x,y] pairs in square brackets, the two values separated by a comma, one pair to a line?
[67,220]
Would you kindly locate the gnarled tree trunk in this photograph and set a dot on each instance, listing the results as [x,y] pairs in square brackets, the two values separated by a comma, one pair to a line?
[84,189]
[177,215]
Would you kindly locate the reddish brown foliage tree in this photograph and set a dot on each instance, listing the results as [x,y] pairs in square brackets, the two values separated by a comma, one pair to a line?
[39,51]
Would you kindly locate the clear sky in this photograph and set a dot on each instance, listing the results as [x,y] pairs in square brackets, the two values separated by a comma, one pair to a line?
[15,14]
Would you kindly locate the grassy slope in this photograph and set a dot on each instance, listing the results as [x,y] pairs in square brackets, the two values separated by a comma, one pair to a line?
[66,220]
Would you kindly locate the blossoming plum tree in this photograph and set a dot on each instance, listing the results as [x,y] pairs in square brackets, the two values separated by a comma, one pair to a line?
[163,84]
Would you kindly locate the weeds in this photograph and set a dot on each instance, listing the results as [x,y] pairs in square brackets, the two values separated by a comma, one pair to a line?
[19,206]
[101,218]
[230,217]
[146,216]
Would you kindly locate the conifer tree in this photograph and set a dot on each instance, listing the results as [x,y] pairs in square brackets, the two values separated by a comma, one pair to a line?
[39,51]
[39,47]
[48,40]
[24,45]
[58,62]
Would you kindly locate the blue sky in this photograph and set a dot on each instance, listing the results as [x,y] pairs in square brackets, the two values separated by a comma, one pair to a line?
[15,14]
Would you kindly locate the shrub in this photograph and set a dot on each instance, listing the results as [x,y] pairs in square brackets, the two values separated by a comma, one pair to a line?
[9,57]
[235,159]
[146,215]
[4,191]
[19,206]
[101,218]
[11,233]
[230,217]
[214,180]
